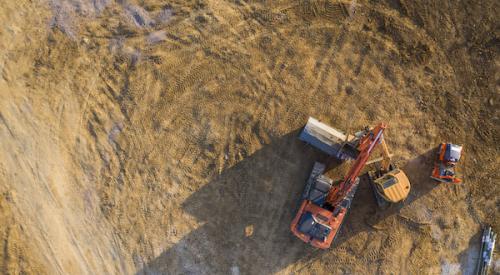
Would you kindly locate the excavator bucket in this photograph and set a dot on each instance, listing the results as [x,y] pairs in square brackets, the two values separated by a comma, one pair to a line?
[329,140]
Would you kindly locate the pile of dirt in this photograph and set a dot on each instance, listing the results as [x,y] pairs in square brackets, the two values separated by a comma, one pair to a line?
[145,137]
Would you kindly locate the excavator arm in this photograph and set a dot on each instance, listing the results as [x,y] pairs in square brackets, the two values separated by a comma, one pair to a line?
[386,157]
[366,146]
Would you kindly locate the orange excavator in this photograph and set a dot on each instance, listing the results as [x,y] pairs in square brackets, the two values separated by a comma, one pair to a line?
[324,207]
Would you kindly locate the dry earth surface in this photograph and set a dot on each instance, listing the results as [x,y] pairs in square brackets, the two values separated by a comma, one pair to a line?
[160,137]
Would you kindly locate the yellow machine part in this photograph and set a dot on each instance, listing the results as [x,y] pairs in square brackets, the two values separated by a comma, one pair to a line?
[393,186]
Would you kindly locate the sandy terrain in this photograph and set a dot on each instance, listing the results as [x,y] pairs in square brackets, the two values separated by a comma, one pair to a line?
[160,137]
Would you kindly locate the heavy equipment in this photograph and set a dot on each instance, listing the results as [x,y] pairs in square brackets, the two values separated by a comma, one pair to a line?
[330,140]
[390,184]
[448,155]
[323,206]
[486,251]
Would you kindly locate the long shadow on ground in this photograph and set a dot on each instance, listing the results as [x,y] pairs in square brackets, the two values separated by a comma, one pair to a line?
[247,211]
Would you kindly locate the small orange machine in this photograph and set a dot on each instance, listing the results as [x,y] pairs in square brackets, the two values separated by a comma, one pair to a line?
[448,156]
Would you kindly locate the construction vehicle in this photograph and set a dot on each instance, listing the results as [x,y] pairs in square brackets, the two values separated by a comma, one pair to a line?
[324,206]
[331,141]
[448,155]
[486,251]
[390,184]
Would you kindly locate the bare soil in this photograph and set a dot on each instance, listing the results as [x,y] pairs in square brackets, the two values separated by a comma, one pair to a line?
[154,137]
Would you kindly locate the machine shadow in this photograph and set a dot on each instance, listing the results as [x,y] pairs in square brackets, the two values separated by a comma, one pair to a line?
[246,213]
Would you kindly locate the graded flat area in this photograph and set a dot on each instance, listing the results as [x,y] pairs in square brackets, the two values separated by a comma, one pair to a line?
[160,137]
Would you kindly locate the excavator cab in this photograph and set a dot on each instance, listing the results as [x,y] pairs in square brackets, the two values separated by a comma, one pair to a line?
[314,226]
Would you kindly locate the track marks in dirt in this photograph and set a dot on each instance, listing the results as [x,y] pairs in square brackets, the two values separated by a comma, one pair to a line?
[412,41]
[330,57]
[14,252]
[267,66]
[6,125]
[330,10]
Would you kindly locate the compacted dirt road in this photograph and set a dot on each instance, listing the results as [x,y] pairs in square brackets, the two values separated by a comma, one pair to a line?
[160,137]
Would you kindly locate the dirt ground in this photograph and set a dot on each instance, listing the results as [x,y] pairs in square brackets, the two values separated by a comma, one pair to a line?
[160,137]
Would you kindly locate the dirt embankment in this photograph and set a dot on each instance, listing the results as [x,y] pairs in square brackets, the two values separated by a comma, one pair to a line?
[139,136]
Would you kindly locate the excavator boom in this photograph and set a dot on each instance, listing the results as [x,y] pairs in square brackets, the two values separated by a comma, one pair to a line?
[367,144]
[386,157]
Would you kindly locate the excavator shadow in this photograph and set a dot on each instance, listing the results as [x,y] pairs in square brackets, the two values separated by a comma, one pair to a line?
[246,213]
